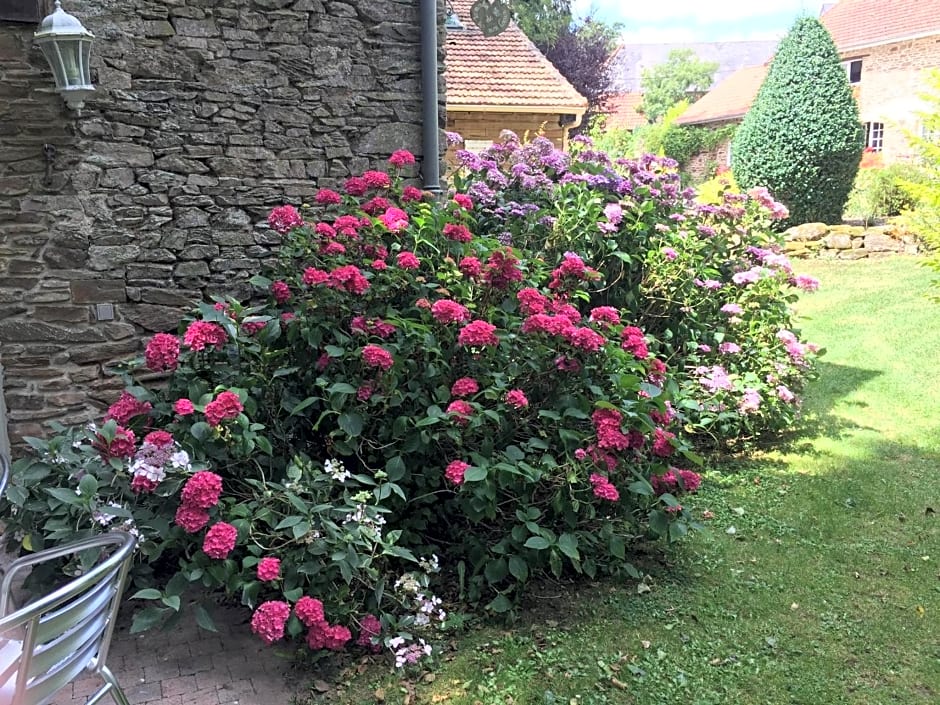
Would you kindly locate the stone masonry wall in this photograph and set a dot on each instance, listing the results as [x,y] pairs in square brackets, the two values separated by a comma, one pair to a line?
[890,88]
[207,114]
[849,241]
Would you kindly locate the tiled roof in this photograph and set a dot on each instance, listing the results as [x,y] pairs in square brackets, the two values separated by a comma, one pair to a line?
[506,72]
[862,23]
[729,100]
[621,111]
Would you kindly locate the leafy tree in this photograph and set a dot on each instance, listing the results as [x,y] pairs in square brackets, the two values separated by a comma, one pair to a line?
[925,217]
[542,20]
[802,138]
[683,76]
[580,52]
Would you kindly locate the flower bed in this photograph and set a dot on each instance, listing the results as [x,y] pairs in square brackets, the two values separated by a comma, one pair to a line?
[461,394]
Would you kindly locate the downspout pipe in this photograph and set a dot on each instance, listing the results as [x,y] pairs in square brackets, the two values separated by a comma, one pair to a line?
[431,167]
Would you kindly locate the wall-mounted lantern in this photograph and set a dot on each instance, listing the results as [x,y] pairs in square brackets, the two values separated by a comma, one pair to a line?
[66,45]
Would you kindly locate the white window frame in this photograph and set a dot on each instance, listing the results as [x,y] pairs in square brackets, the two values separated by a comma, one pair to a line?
[848,70]
[875,136]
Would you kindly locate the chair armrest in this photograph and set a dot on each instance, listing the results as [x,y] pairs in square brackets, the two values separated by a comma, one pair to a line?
[116,539]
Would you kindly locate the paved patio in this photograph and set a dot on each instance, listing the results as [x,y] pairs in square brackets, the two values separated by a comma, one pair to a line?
[190,666]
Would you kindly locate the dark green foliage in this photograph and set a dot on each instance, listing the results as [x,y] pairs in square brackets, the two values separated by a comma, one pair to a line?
[802,138]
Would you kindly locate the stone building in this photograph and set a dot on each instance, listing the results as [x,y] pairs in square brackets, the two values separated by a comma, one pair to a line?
[206,114]
[886,48]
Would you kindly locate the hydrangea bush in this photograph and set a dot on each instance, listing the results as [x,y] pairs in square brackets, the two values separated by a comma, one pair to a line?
[416,401]
[709,280]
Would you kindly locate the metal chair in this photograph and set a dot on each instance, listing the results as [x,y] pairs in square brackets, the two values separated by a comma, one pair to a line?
[46,644]
[4,473]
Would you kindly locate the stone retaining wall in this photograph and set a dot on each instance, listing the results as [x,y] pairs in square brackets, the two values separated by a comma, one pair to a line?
[206,115]
[849,241]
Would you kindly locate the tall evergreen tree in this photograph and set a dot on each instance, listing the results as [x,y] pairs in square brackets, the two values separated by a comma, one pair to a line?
[802,138]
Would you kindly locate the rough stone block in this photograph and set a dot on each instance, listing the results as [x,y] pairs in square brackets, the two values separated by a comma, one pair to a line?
[104,351]
[879,242]
[838,242]
[805,232]
[152,317]
[94,291]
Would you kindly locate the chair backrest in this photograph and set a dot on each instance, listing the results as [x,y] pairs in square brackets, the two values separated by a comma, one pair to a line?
[4,473]
[70,629]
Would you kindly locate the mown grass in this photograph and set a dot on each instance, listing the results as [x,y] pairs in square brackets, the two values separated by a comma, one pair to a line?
[818,581]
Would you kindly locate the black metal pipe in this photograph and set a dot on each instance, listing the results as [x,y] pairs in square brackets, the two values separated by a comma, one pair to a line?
[431,167]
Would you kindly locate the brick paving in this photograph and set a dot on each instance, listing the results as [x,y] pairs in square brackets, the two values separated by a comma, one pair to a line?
[187,665]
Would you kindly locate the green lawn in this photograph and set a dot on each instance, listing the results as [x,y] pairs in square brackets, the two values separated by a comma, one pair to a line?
[819,579]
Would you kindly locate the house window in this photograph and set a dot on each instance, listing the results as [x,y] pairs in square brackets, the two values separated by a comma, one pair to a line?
[874,135]
[854,70]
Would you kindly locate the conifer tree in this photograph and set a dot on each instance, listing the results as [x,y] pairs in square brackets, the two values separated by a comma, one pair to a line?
[802,138]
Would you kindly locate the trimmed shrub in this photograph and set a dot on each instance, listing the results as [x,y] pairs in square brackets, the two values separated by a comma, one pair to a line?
[802,138]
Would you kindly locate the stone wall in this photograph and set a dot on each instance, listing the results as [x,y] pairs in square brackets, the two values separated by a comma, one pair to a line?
[207,114]
[890,89]
[849,241]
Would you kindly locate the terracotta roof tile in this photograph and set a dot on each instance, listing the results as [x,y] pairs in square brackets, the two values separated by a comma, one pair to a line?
[621,111]
[506,71]
[863,23]
[729,100]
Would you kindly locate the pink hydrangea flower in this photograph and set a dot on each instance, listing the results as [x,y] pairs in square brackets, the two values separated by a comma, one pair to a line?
[662,443]
[183,407]
[401,158]
[325,636]
[160,439]
[269,620]
[163,352]
[220,540]
[585,339]
[457,232]
[455,471]
[327,197]
[127,407]
[478,334]
[309,610]
[410,194]
[313,276]
[732,309]
[283,218]
[281,292]
[377,179]
[531,301]
[375,356]
[395,219]
[350,279]
[369,628]
[356,186]
[190,518]
[123,445]
[605,315]
[202,490]
[407,260]
[202,334]
[446,311]
[603,488]
[806,282]
[269,569]
[516,398]
[633,341]
[464,387]
[464,201]
[226,405]
[470,267]
[729,348]
[461,412]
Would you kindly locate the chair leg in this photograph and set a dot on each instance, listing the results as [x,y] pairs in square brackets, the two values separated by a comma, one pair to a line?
[116,692]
